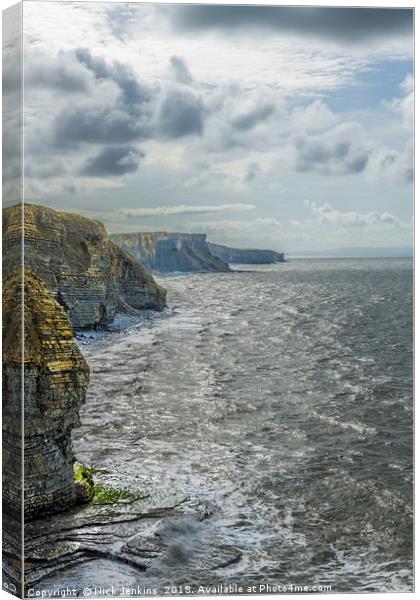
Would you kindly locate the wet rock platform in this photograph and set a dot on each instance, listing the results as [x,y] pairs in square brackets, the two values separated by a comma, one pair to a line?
[99,544]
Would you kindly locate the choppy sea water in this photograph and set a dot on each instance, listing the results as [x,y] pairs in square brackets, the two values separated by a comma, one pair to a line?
[280,397]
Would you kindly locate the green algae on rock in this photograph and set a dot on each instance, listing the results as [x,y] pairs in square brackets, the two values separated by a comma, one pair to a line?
[83,478]
[112,495]
[88,274]
[99,493]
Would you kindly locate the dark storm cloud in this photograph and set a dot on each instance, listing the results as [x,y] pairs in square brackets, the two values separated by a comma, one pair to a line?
[180,114]
[114,160]
[180,70]
[249,119]
[341,24]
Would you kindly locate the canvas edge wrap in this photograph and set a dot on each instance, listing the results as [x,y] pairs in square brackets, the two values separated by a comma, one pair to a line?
[13,291]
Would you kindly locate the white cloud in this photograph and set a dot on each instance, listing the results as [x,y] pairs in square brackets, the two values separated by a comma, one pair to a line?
[315,116]
[326,214]
[347,149]
[393,166]
[270,221]
[182,209]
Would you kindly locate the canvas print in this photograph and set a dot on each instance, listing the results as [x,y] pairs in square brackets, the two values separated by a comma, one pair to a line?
[207,299]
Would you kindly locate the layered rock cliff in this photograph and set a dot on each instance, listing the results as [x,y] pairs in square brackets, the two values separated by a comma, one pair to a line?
[250,256]
[169,252]
[55,381]
[89,275]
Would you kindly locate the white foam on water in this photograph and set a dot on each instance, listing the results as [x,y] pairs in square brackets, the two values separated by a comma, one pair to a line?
[361,428]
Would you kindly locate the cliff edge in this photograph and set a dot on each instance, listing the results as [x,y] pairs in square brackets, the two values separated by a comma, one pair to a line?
[89,275]
[169,252]
[250,256]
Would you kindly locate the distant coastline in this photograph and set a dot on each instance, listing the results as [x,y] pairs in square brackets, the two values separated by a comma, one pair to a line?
[357,252]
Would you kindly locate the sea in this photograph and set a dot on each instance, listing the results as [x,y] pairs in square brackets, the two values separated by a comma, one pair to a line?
[281,398]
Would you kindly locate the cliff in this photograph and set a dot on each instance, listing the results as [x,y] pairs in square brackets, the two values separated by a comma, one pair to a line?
[250,256]
[87,273]
[169,252]
[55,381]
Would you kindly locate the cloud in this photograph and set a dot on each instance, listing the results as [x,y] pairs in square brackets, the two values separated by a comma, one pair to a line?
[115,108]
[182,209]
[60,72]
[349,25]
[346,150]
[179,70]
[315,116]
[98,125]
[268,221]
[249,118]
[252,170]
[392,165]
[45,169]
[122,18]
[114,160]
[181,113]
[340,151]
[221,116]
[133,92]
[326,214]
[110,109]
[12,104]
[405,105]
[119,108]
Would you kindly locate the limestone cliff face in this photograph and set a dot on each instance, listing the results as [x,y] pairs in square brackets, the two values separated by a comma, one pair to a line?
[55,381]
[250,256]
[87,273]
[169,252]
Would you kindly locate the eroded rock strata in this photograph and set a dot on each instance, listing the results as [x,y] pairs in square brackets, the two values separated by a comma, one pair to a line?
[55,380]
[250,256]
[169,252]
[89,275]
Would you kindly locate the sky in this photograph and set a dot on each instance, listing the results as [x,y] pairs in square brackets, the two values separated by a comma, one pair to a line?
[282,127]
